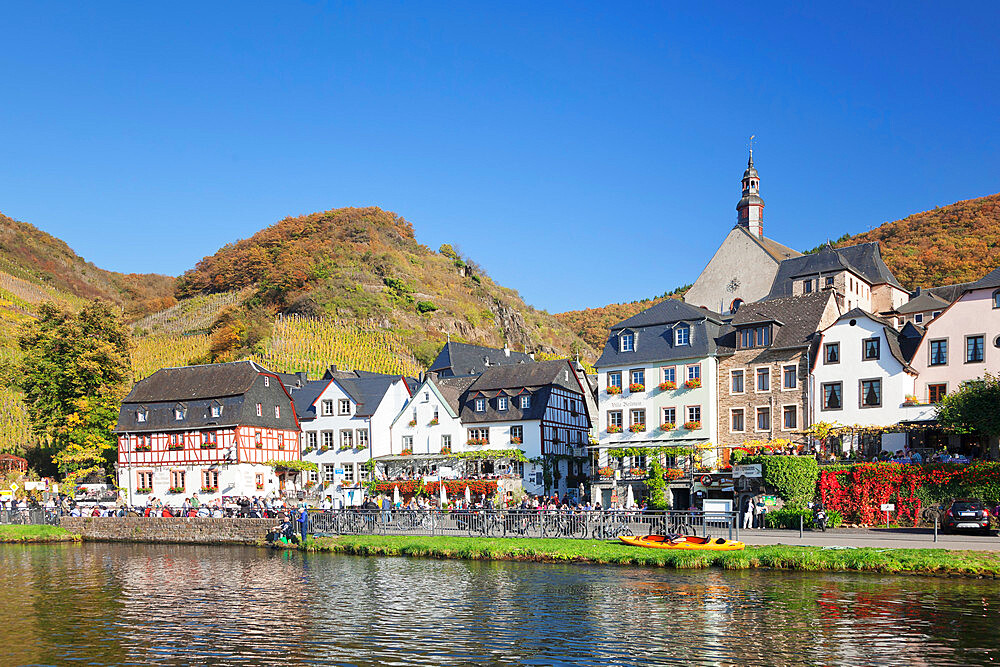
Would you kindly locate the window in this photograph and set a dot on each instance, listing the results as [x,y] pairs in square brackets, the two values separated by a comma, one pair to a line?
[833,394]
[502,403]
[871,393]
[436,415]
[996,299]
[637,417]
[445,441]
[763,379]
[216,411]
[349,473]
[362,437]
[408,443]
[427,397]
[789,417]
[694,413]
[327,408]
[939,352]
[258,440]
[870,349]
[754,337]
[831,353]
[329,472]
[936,313]
[174,439]
[209,438]
[694,372]
[327,439]
[918,318]
[516,434]
[829,281]
[789,377]
[615,418]
[637,376]
[140,415]
[277,412]
[763,419]
[267,381]
[311,439]
[177,479]
[669,374]
[480,405]
[525,401]
[735,306]
[615,379]
[682,335]
[736,385]
[346,439]
[144,480]
[973,349]
[935,392]
[482,434]
[627,342]
[669,416]
[210,479]
[179,413]
[344,406]
[736,422]
[260,410]
[807,286]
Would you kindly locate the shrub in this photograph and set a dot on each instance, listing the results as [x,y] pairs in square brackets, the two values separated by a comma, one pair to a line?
[426,307]
[656,486]
[791,477]
[788,517]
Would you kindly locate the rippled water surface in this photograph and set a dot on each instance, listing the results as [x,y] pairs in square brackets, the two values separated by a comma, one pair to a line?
[113,604]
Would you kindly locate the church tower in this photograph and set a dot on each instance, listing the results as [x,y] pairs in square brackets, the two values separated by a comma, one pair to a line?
[750,210]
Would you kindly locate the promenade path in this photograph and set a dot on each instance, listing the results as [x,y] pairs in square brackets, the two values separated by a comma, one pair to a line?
[885,538]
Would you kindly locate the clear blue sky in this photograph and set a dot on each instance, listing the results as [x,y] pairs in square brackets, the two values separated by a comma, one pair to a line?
[583,154]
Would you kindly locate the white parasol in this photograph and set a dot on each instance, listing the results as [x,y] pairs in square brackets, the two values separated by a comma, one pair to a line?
[629,498]
[444,495]
[396,499]
[468,495]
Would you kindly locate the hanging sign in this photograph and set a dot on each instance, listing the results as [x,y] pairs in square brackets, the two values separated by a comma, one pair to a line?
[748,470]
[888,507]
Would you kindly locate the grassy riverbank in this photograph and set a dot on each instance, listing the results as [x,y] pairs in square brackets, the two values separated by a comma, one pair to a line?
[24,534]
[895,561]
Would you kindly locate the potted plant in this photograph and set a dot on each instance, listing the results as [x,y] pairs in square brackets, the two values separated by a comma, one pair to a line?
[637,428]
[637,472]
[476,442]
[446,449]
[636,388]
[259,445]
[413,422]
[668,426]
[144,491]
[310,484]
[260,486]
[670,474]
[175,448]
[668,385]
[693,384]
[612,389]
[433,422]
[614,429]
[406,452]
[909,400]
[606,472]
[175,489]
[209,489]
[691,426]
[143,448]
[514,440]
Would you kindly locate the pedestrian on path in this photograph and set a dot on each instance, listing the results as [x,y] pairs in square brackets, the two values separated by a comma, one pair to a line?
[749,513]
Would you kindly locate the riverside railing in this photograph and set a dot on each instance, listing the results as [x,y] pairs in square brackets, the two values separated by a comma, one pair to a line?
[607,524]
[31,516]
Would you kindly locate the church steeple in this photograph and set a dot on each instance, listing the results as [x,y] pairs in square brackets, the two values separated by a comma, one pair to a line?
[750,210]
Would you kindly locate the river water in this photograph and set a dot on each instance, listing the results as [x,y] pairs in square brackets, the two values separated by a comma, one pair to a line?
[157,604]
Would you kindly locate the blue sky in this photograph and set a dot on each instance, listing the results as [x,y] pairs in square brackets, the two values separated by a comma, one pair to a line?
[583,154]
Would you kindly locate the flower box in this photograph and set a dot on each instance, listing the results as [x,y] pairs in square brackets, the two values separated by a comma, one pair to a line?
[208,445]
[637,472]
[693,384]
[175,489]
[143,448]
[614,429]
[636,388]
[433,422]
[446,449]
[910,400]
[691,426]
[514,440]
[260,487]
[637,428]
[281,445]
[667,386]
[175,448]
[670,474]
[144,491]
[406,452]
[606,473]
[668,426]
[413,422]
[344,448]
[477,442]
[209,489]
[310,484]
[614,390]
[259,445]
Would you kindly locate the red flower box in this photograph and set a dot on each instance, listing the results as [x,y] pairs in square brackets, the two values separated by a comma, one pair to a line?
[614,390]
[691,426]
[637,428]
[692,384]
[614,429]
[668,426]
[636,388]
[667,386]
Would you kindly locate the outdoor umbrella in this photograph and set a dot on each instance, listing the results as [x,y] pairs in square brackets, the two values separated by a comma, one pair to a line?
[396,500]
[468,495]
[444,495]
[581,492]
[629,498]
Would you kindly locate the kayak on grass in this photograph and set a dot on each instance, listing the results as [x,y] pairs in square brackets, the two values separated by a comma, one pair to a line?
[683,542]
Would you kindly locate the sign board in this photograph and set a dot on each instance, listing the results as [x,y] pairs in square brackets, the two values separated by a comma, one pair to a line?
[338,471]
[748,470]
[34,486]
[14,486]
[888,507]
[770,501]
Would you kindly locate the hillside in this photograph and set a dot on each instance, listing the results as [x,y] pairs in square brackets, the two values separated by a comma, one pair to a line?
[363,267]
[592,324]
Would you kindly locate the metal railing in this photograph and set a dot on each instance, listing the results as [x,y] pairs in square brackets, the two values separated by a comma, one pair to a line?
[608,524]
[34,516]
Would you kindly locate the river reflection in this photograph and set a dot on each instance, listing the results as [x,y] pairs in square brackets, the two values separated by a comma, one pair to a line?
[152,604]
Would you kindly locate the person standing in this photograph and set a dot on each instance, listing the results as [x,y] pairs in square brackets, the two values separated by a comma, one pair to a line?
[749,512]
[303,523]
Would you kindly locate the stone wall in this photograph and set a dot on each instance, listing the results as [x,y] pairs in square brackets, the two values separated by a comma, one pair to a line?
[179,531]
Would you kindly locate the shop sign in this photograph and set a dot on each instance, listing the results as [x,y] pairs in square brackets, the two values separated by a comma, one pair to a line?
[748,470]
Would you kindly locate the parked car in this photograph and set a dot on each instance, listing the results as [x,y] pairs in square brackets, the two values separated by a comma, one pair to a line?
[967,514]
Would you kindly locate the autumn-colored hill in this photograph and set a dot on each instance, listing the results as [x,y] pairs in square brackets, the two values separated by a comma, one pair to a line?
[950,244]
[592,324]
[363,266]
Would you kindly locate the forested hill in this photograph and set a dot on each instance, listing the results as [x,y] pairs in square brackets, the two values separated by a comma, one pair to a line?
[364,265]
[36,266]
[950,244]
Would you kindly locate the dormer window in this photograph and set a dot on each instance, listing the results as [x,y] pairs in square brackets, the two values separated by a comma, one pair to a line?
[759,336]
[480,405]
[179,412]
[215,410]
[141,414]
[627,342]
[735,306]
[267,381]
[502,403]
[996,299]
[682,335]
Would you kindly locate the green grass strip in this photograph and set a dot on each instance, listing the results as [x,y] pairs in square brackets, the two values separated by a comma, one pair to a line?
[25,534]
[780,557]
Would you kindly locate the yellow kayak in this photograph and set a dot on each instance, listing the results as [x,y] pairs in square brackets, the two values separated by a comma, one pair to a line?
[683,543]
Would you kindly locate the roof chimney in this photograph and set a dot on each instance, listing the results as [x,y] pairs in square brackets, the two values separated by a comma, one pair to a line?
[506,350]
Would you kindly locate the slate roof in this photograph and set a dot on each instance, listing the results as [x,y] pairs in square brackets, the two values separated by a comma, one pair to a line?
[187,383]
[535,374]
[366,391]
[452,388]
[949,293]
[305,396]
[921,303]
[657,343]
[776,250]
[899,344]
[798,319]
[990,280]
[465,359]
[864,259]
[665,312]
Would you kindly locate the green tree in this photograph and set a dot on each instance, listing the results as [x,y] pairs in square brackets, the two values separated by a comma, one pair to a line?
[975,408]
[656,487]
[75,369]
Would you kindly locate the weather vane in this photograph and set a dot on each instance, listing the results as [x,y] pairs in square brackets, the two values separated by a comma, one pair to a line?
[751,143]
